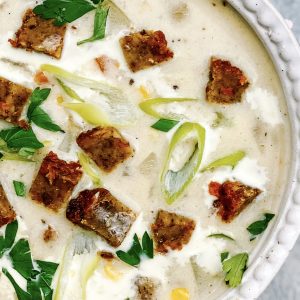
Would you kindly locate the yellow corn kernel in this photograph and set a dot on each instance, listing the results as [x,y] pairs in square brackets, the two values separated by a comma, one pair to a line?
[60,100]
[111,272]
[143,91]
[180,294]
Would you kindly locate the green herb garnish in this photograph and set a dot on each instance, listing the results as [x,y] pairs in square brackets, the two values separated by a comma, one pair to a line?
[165,125]
[19,188]
[36,114]
[133,255]
[64,11]
[147,243]
[99,25]
[235,268]
[259,227]
[8,240]
[38,274]
[220,236]
[224,256]
[175,183]
[17,138]
[231,160]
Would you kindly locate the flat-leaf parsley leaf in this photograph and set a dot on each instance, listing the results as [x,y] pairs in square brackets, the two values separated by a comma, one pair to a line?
[36,114]
[259,227]
[63,11]
[235,268]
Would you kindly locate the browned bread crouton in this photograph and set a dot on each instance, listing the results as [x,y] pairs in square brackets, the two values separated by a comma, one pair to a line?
[55,181]
[98,210]
[146,288]
[7,214]
[171,231]
[233,197]
[40,35]
[145,49]
[106,146]
[226,83]
[13,98]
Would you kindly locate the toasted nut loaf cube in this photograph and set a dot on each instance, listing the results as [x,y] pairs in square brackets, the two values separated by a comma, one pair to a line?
[145,49]
[98,210]
[55,182]
[106,146]
[13,98]
[226,83]
[7,214]
[146,288]
[40,35]
[233,197]
[171,231]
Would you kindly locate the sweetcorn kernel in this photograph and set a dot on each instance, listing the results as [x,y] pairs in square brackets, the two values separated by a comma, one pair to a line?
[144,92]
[111,272]
[180,294]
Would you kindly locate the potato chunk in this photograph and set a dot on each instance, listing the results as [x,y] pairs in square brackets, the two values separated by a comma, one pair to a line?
[7,214]
[13,98]
[146,288]
[145,49]
[172,231]
[40,35]
[233,198]
[55,182]
[106,146]
[98,210]
[226,83]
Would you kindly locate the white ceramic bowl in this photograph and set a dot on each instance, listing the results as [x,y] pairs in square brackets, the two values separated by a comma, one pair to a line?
[283,48]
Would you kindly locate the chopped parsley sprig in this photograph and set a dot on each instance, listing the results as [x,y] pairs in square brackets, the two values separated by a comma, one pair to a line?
[38,274]
[64,11]
[260,226]
[234,268]
[36,114]
[133,256]
[18,144]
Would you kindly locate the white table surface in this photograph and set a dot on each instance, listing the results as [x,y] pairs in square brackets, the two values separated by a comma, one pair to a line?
[286,285]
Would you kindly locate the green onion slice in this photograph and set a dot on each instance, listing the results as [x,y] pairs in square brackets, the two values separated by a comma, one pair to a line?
[69,91]
[148,106]
[175,183]
[231,160]
[121,110]
[89,112]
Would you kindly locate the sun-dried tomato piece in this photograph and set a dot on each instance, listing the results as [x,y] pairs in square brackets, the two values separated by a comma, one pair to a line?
[233,197]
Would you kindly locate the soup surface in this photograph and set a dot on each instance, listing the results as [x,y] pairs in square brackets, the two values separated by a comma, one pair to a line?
[257,128]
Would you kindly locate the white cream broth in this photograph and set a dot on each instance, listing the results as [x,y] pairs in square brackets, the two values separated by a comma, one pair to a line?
[259,126]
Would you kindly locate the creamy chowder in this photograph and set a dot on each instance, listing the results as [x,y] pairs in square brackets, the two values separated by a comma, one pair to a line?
[196,31]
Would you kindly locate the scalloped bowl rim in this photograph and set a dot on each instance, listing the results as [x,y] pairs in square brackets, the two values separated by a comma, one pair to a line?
[284,50]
